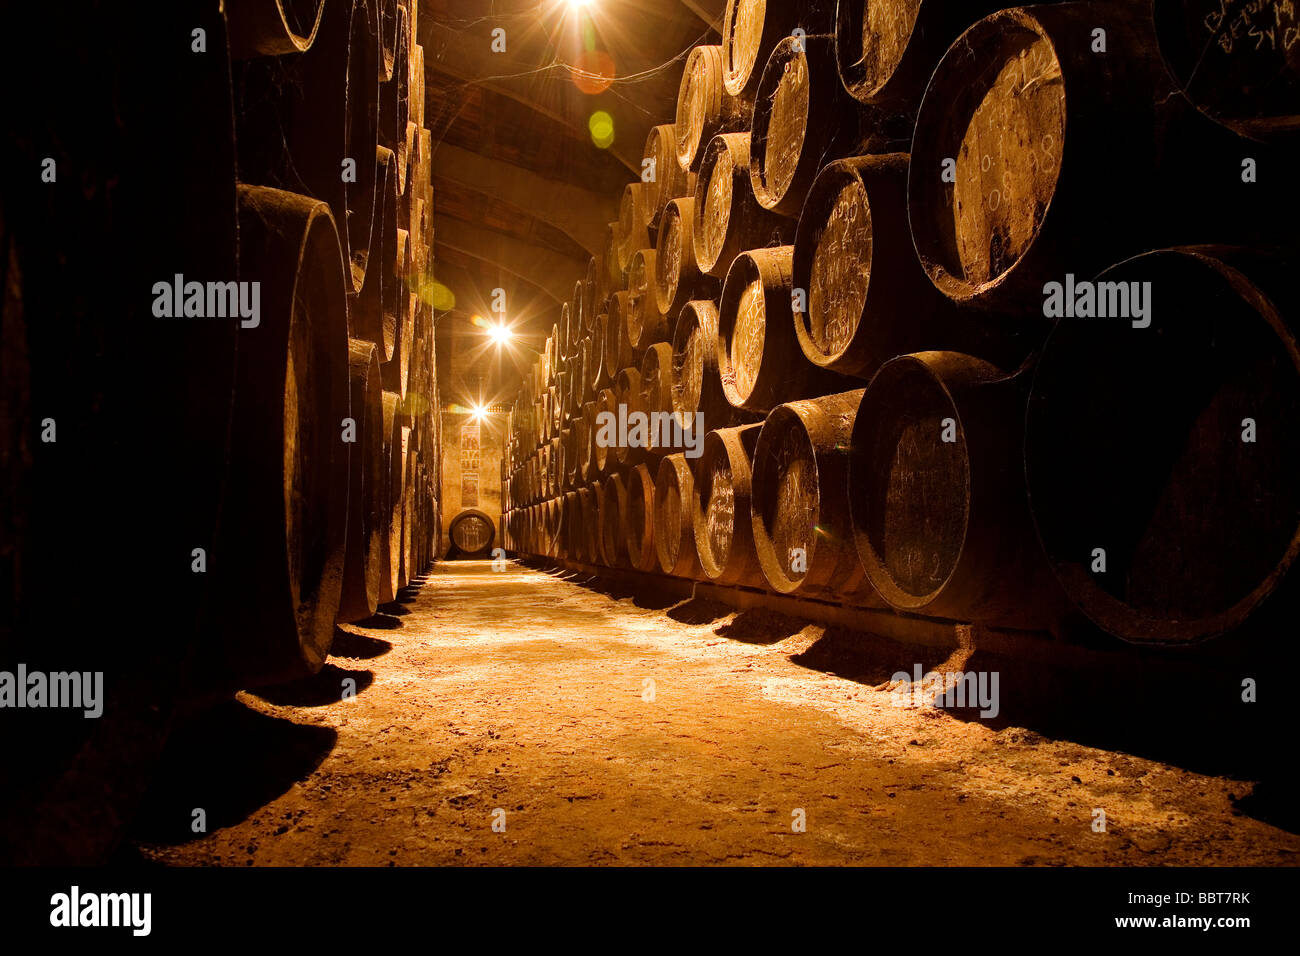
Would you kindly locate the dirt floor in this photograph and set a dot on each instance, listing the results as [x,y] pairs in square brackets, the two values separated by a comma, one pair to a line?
[592,728]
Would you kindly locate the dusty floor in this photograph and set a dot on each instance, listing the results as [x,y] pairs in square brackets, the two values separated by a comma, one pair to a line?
[598,730]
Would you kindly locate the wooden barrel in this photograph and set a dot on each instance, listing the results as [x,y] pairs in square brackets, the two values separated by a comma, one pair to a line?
[697,384]
[394,291]
[472,534]
[417,77]
[728,219]
[581,445]
[404,210]
[759,363]
[751,29]
[583,364]
[395,100]
[678,279]
[301,116]
[600,375]
[396,371]
[704,107]
[645,322]
[1030,118]
[366,317]
[581,545]
[633,226]
[613,507]
[867,298]
[405,265]
[555,467]
[656,399]
[586,425]
[580,322]
[618,352]
[390,24]
[571,529]
[614,273]
[286,501]
[367,499]
[627,390]
[390,559]
[803,534]
[562,332]
[602,451]
[886,50]
[668,181]
[592,504]
[555,406]
[262,28]
[1168,448]
[802,118]
[639,519]
[937,493]
[674,521]
[724,535]
[555,526]
[544,470]
[406,527]
[1237,61]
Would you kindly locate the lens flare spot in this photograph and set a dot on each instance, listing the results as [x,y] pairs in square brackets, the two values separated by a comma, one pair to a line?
[601,125]
[436,294]
[594,71]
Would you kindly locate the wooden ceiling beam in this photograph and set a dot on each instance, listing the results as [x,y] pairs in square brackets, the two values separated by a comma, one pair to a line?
[578,213]
[552,272]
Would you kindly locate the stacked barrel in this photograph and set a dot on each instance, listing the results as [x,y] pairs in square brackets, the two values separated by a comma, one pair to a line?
[849,259]
[331,124]
[279,466]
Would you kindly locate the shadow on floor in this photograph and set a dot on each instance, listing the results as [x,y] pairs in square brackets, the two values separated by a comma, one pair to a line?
[1176,709]
[326,687]
[227,762]
[379,622]
[698,611]
[358,646]
[760,626]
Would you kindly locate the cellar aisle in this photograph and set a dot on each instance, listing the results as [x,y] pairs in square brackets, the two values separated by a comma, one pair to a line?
[523,692]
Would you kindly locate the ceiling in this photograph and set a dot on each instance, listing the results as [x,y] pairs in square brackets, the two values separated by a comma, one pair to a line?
[522,193]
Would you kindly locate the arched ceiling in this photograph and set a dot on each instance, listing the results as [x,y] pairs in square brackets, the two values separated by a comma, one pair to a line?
[522,194]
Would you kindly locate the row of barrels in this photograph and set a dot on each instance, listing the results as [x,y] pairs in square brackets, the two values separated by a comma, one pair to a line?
[330,124]
[216,372]
[330,119]
[1166,510]
[214,269]
[839,273]
[993,218]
